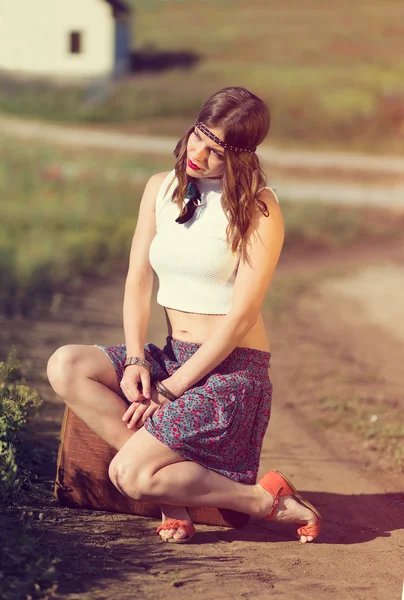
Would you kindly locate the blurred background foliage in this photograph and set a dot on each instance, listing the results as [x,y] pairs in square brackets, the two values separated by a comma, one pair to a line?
[66,214]
[332,73]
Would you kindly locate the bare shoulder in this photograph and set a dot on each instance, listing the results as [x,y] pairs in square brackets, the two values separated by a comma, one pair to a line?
[151,190]
[156,180]
[269,198]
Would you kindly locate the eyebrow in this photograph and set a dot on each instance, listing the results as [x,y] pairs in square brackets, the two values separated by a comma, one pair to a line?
[217,149]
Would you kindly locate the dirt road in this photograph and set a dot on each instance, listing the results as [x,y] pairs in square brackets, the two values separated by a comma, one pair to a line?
[318,346]
[339,177]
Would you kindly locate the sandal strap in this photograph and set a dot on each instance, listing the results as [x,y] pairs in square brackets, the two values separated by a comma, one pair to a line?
[177,524]
[276,496]
[276,484]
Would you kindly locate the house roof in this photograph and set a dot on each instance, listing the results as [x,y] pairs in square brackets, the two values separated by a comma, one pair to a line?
[119,7]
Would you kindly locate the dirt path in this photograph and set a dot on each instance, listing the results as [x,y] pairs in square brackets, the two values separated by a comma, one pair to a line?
[340,177]
[359,492]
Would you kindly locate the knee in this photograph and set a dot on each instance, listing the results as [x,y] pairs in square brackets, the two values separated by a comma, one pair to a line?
[62,369]
[129,480]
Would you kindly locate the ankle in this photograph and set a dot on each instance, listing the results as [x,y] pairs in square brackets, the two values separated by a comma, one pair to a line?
[263,503]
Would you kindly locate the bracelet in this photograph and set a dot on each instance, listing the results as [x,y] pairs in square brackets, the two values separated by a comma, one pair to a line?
[161,389]
[135,360]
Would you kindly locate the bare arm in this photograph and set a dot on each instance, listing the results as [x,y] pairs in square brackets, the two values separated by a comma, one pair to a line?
[255,272]
[138,290]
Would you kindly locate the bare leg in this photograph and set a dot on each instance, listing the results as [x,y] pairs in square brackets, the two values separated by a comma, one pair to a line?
[161,474]
[85,378]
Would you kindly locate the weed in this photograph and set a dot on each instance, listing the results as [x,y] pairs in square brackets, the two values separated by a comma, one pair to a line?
[18,404]
[175,579]
[27,570]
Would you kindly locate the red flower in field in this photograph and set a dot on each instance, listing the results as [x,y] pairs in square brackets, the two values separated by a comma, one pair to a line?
[52,173]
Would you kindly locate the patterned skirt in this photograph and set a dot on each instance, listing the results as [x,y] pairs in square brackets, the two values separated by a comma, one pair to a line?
[219,422]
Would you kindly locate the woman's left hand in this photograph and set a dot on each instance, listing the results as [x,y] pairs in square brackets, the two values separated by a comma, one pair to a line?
[138,412]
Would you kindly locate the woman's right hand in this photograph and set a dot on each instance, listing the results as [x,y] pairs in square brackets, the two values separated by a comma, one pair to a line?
[135,383]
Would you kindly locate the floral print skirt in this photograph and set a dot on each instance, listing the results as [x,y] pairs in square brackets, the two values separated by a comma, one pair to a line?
[219,422]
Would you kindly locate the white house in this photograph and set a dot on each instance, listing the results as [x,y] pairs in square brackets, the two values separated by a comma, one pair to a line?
[64,38]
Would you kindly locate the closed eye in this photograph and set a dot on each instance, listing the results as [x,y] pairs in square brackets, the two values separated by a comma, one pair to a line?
[215,152]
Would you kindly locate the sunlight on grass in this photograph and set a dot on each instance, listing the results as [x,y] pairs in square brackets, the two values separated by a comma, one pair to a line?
[332,73]
[67,214]
[63,215]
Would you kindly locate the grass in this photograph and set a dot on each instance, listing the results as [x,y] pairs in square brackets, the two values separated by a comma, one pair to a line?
[377,418]
[315,225]
[27,570]
[66,214]
[63,216]
[18,457]
[332,73]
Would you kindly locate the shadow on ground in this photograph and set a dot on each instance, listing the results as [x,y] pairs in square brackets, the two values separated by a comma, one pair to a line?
[150,59]
[95,549]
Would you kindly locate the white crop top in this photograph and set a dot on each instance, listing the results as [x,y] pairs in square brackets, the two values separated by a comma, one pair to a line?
[195,266]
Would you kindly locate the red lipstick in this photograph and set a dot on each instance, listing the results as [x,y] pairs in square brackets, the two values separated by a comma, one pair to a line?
[191,165]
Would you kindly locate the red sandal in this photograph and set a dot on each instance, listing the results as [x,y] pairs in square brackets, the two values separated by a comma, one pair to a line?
[177,524]
[278,485]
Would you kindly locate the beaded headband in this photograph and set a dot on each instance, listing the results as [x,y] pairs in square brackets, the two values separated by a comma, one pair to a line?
[213,137]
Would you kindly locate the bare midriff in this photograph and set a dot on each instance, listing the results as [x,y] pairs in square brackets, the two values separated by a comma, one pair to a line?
[191,327]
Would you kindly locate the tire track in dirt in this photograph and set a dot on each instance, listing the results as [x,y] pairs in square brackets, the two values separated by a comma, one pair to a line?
[359,555]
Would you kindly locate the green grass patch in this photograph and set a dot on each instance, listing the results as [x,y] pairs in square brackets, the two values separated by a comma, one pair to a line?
[63,216]
[323,225]
[18,405]
[67,215]
[332,73]
[27,570]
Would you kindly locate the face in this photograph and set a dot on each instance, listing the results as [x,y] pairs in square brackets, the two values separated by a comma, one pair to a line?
[205,158]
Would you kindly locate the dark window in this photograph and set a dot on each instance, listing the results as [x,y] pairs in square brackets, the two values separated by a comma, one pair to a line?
[75,42]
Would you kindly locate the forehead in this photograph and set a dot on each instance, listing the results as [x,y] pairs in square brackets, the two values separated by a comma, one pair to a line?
[217,131]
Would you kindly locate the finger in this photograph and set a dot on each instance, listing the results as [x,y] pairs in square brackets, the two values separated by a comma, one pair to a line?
[131,390]
[125,392]
[135,422]
[136,393]
[145,379]
[128,394]
[136,416]
[129,411]
[147,413]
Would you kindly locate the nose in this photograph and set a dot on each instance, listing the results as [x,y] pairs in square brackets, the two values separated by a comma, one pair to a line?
[199,152]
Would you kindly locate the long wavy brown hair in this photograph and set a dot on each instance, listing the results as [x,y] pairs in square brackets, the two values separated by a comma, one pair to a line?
[245,120]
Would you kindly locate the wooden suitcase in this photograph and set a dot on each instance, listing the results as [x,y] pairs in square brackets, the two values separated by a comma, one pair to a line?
[82,479]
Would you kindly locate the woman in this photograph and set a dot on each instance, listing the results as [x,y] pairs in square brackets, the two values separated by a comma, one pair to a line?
[188,420]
